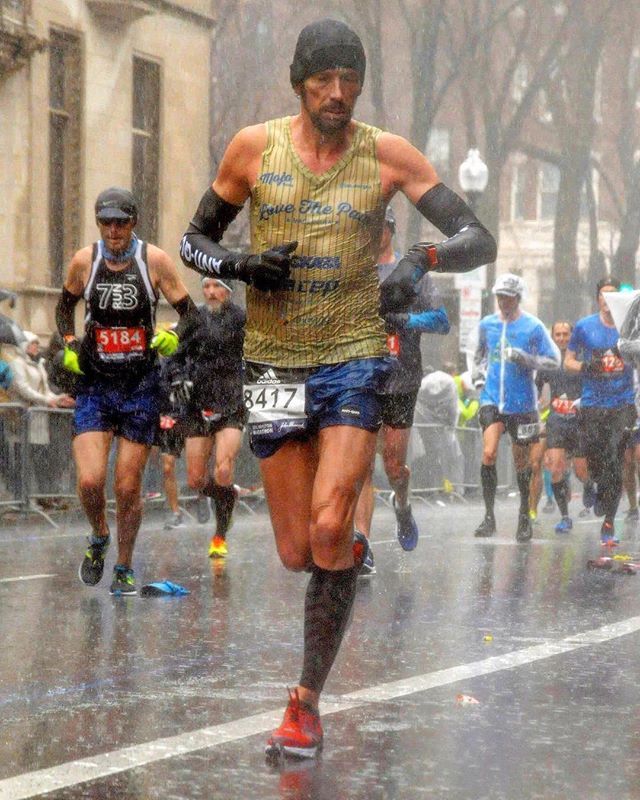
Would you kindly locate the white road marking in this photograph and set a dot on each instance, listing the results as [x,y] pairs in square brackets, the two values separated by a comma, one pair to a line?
[27,578]
[32,784]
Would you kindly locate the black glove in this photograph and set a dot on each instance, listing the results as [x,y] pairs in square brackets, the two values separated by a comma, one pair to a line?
[268,270]
[516,356]
[180,392]
[395,322]
[398,291]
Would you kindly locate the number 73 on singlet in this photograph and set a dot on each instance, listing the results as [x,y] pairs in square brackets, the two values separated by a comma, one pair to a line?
[274,402]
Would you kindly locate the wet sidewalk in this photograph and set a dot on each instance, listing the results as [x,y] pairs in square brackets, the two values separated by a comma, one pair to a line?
[144,698]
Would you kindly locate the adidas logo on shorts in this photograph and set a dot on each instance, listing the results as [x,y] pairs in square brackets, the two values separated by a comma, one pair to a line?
[269,377]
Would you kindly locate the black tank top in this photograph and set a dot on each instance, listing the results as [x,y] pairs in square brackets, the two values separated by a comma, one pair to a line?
[119,319]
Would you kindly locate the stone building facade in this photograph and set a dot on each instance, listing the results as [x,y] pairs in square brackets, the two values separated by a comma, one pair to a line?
[96,93]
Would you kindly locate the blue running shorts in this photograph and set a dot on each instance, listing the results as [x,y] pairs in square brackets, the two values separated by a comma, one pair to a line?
[129,410]
[285,404]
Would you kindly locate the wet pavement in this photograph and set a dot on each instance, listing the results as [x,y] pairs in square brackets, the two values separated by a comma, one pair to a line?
[145,698]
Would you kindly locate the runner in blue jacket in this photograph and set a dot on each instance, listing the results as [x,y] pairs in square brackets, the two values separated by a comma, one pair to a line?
[512,345]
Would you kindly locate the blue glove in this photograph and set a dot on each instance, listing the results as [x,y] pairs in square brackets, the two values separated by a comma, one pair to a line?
[163,589]
[6,375]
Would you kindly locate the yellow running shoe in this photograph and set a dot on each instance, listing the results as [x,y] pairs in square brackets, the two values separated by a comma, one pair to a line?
[218,547]
[533,514]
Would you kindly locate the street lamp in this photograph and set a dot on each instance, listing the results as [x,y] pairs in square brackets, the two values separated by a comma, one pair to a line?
[473,175]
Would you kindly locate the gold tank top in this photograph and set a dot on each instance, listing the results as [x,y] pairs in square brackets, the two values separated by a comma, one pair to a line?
[328,310]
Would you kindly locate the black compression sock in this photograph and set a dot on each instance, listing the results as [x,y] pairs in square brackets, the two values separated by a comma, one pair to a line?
[225,500]
[327,607]
[561,493]
[524,482]
[209,488]
[489,481]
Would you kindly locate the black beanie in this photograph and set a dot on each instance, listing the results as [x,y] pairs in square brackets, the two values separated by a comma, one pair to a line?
[327,44]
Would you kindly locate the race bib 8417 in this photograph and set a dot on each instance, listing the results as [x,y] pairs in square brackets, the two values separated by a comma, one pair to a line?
[271,403]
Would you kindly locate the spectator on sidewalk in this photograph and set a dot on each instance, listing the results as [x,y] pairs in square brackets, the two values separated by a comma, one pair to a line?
[436,416]
[30,387]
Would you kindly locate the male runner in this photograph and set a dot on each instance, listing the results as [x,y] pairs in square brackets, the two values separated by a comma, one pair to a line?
[607,411]
[170,440]
[209,381]
[319,183]
[512,344]
[120,277]
[425,315]
[563,439]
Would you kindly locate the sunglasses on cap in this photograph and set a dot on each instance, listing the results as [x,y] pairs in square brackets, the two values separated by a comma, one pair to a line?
[118,222]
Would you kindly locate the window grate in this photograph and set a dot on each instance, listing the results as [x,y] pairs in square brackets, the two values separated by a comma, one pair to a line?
[145,168]
[65,111]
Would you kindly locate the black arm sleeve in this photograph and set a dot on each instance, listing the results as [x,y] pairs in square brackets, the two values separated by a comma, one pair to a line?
[65,321]
[188,311]
[469,244]
[200,249]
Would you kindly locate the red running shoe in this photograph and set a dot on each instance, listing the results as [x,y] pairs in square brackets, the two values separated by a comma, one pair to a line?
[300,734]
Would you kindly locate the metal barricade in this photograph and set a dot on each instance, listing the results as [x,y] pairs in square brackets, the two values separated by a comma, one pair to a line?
[446,460]
[37,469]
[12,467]
[48,476]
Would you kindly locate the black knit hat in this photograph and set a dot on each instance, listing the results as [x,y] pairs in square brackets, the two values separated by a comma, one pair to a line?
[327,44]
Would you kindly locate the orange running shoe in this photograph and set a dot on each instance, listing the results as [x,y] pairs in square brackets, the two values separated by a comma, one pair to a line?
[218,547]
[300,734]
[608,536]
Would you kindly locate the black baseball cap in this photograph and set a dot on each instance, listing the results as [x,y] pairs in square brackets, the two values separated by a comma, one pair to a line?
[116,203]
[327,44]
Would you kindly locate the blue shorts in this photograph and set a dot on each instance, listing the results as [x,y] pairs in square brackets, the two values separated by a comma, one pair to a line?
[130,411]
[336,394]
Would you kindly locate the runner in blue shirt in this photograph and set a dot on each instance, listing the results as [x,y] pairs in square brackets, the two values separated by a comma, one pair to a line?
[511,346]
[607,411]
[563,439]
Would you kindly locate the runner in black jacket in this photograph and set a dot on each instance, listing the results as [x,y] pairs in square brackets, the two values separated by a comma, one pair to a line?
[209,384]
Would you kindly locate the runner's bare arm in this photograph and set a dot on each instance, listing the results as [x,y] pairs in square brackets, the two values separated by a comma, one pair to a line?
[571,363]
[240,165]
[164,275]
[405,169]
[78,271]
